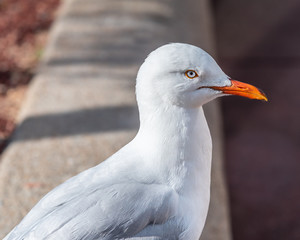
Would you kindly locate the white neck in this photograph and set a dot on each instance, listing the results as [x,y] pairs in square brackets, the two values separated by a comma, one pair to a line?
[177,144]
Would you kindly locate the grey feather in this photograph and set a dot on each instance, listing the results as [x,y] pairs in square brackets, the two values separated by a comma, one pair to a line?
[118,208]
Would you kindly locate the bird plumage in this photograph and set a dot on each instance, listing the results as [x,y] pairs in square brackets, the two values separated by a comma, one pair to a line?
[158,185]
[114,200]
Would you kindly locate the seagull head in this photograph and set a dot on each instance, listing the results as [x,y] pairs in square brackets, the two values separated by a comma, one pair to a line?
[186,76]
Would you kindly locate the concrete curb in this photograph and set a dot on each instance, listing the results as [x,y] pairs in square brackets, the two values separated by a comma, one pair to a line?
[81,106]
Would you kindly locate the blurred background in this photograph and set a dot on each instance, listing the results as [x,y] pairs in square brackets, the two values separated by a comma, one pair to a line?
[257,42]
[24,27]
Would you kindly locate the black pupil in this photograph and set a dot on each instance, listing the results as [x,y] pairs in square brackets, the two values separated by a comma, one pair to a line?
[191,74]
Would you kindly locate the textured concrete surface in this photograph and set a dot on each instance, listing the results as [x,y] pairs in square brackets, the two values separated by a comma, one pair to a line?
[81,106]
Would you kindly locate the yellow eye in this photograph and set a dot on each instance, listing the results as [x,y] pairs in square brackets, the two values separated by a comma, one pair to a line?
[191,74]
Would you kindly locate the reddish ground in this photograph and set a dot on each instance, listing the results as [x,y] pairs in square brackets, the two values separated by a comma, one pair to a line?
[23,32]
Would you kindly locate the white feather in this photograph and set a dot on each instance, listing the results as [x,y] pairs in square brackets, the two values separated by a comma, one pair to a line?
[158,185]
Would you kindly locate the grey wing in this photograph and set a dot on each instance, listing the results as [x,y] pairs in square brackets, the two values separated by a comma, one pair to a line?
[105,211]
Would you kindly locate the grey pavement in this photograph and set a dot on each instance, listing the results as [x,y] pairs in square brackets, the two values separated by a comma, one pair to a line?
[81,106]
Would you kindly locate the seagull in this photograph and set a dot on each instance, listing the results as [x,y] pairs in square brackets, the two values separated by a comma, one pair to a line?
[158,185]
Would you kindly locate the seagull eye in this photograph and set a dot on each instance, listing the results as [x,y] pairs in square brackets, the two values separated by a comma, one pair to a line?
[191,74]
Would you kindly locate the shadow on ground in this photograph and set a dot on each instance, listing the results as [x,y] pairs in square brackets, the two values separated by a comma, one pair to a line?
[89,121]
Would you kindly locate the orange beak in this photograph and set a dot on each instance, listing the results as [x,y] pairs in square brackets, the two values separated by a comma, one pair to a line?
[242,89]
